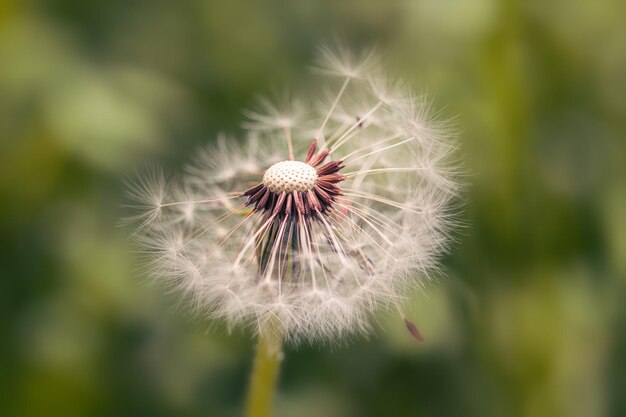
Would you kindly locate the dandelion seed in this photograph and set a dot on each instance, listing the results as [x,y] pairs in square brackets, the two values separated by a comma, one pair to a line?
[309,224]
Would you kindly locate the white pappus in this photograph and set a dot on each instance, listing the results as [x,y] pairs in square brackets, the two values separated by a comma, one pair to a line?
[322,214]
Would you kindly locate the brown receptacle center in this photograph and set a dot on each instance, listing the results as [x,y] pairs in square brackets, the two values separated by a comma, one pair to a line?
[298,189]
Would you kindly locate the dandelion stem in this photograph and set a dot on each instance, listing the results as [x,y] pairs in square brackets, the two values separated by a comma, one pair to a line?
[264,375]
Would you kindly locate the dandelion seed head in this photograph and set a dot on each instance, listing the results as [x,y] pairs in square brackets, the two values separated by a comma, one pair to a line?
[309,224]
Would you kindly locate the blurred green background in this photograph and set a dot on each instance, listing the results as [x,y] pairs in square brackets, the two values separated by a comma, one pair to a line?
[530,320]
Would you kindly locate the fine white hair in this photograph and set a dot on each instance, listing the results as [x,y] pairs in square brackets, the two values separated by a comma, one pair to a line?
[324,273]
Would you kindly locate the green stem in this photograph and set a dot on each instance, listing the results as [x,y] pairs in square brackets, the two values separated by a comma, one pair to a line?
[267,360]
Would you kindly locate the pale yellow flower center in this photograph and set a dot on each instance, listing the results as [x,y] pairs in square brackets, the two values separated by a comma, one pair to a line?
[290,176]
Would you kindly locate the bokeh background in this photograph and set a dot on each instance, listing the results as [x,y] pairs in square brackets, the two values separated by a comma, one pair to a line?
[531,318]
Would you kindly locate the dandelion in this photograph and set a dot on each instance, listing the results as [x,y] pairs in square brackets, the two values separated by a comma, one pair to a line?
[325,212]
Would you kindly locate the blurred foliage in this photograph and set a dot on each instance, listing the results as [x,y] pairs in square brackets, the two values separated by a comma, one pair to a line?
[530,320]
